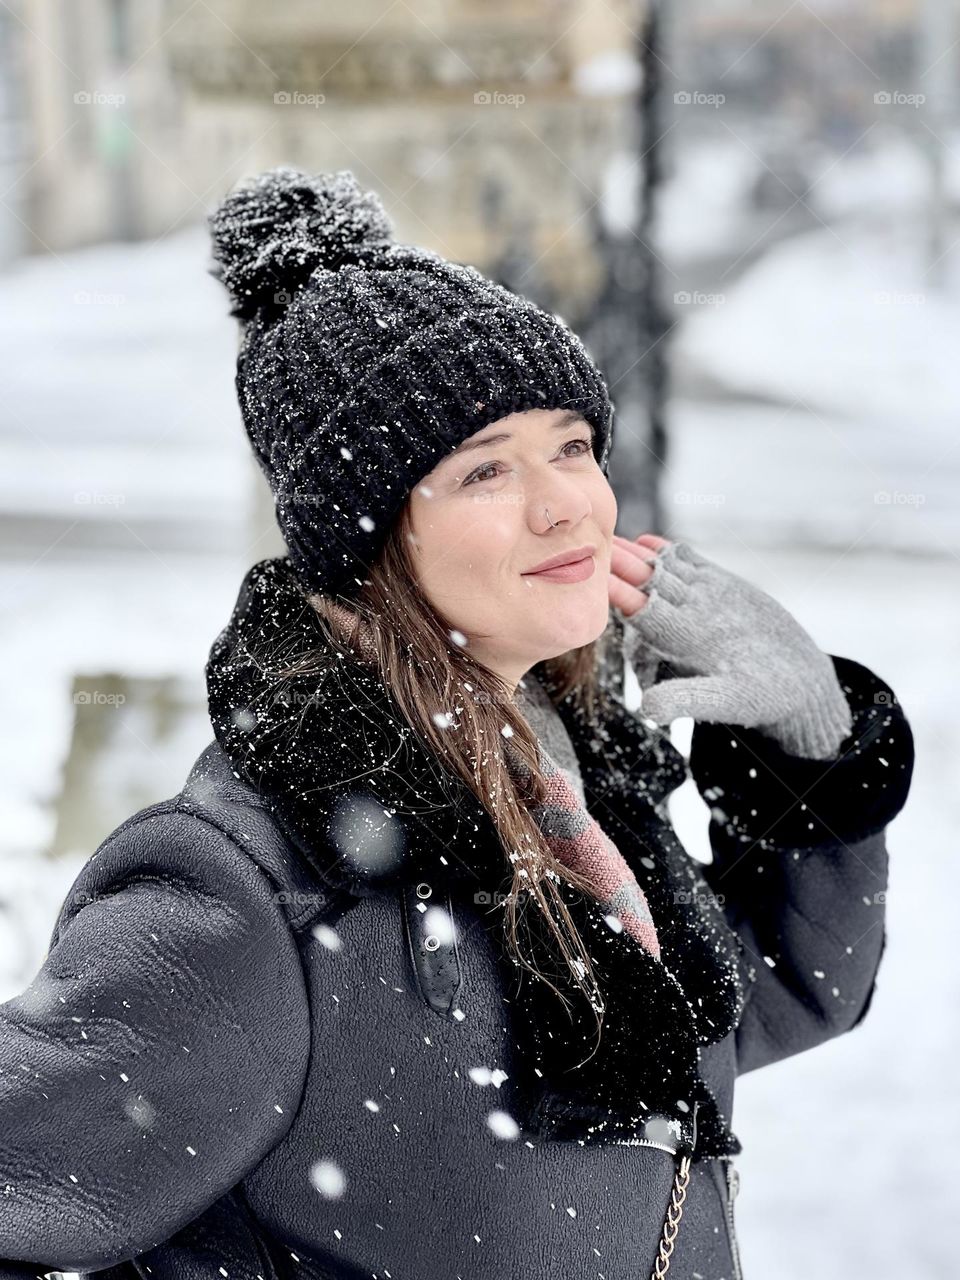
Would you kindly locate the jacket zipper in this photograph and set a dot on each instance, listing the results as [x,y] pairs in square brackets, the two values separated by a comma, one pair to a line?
[644,1142]
[732,1175]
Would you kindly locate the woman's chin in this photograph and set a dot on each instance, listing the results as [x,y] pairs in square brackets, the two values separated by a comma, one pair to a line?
[577,635]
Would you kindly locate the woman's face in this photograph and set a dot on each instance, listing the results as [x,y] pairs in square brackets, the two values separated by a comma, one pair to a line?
[480,526]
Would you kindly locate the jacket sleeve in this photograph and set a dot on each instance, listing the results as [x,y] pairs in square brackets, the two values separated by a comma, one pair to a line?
[800,865]
[157,1056]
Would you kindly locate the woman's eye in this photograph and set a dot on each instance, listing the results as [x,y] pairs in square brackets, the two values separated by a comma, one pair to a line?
[475,475]
[586,445]
[490,466]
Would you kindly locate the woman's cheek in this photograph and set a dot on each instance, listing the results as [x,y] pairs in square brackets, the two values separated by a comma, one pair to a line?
[605,507]
[490,523]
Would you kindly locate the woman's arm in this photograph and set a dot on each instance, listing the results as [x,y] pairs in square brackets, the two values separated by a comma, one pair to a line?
[157,1056]
[800,858]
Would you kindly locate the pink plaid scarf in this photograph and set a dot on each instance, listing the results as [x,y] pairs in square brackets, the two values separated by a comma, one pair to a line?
[577,840]
[574,837]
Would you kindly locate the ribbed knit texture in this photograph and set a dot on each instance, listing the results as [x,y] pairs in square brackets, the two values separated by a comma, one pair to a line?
[364,362]
[545,720]
[575,837]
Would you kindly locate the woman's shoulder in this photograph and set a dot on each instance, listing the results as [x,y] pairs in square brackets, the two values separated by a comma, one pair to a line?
[215,794]
[217,840]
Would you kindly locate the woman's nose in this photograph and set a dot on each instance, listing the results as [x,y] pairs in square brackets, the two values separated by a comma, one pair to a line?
[562,501]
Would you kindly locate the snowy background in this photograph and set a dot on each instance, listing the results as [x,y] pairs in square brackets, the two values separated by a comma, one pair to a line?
[813,448]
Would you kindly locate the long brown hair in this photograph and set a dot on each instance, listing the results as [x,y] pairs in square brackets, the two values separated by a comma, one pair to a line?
[428,672]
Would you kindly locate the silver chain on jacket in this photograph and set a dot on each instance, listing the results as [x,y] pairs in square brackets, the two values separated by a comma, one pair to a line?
[671,1223]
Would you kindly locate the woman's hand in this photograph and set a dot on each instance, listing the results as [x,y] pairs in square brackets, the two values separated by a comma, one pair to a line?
[631,568]
[739,656]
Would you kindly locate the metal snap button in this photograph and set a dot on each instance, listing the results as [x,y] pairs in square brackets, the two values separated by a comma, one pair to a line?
[431,942]
[423,890]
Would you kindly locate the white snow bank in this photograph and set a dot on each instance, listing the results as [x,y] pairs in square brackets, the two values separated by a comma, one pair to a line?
[845,322]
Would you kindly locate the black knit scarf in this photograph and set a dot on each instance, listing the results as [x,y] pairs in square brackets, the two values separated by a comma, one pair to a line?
[341,769]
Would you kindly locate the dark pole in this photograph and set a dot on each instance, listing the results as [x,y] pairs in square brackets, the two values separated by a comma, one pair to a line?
[655,325]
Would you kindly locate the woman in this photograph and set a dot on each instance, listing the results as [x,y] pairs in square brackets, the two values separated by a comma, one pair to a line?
[413,977]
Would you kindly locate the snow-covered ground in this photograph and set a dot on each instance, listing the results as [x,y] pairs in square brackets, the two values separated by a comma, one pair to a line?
[822,396]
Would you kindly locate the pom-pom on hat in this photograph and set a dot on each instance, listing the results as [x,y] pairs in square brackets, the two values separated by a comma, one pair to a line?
[363,362]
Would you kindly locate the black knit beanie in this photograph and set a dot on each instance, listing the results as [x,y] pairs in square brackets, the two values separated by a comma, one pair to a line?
[363,362]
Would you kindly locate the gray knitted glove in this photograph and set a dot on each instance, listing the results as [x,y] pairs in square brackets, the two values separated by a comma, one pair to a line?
[741,657]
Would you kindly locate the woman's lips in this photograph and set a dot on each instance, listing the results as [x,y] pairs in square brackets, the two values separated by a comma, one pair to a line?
[574,571]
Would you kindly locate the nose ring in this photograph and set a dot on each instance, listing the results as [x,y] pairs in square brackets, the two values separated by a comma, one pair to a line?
[547,510]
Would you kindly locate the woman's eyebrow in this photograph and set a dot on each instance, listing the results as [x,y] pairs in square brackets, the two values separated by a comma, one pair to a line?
[570,417]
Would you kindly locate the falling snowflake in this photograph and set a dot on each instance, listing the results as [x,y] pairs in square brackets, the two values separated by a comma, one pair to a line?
[484,1076]
[140,1112]
[439,923]
[328,1179]
[503,1125]
[367,838]
[327,937]
[244,719]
